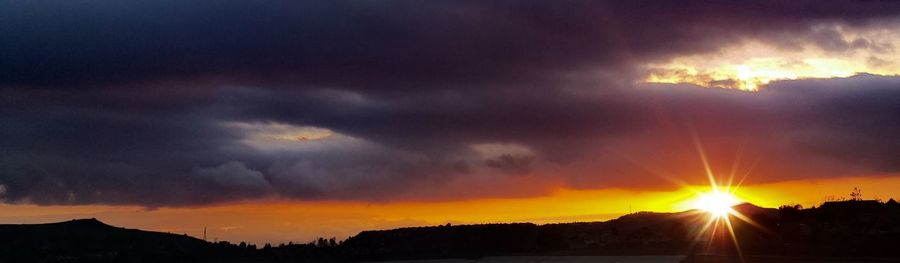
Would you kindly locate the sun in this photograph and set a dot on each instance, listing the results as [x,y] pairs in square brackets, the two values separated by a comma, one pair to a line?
[716,202]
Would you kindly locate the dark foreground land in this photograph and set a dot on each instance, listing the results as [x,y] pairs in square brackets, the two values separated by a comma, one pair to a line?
[781,259]
[649,259]
[852,231]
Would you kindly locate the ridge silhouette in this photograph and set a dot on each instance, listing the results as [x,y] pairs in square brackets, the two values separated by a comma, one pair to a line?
[840,229]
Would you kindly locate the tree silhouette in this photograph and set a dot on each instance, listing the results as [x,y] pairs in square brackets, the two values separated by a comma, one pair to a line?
[856,194]
[891,202]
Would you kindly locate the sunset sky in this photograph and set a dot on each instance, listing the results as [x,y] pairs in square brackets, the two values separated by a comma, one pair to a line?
[283,121]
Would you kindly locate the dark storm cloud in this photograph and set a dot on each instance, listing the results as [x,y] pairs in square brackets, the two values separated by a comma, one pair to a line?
[853,120]
[135,102]
[510,164]
[374,44]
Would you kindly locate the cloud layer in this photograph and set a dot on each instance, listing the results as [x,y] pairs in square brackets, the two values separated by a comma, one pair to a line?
[170,103]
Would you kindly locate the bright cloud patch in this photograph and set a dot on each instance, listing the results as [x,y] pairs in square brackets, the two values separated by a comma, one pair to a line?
[829,52]
[277,136]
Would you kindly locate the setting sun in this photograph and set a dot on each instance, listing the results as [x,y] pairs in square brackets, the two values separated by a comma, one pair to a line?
[716,203]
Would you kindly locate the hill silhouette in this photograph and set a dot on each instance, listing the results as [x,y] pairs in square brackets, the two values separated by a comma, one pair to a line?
[89,240]
[839,229]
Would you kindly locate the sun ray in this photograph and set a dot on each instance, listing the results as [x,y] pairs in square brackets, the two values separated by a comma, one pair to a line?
[749,170]
[712,235]
[736,163]
[706,166]
[658,172]
[737,246]
[702,231]
[750,221]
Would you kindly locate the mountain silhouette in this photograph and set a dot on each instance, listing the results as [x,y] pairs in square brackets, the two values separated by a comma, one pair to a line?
[855,229]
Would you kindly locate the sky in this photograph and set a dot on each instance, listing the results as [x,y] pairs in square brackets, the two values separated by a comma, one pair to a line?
[288,120]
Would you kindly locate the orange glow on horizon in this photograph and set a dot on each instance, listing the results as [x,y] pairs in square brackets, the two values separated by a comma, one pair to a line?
[276,221]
